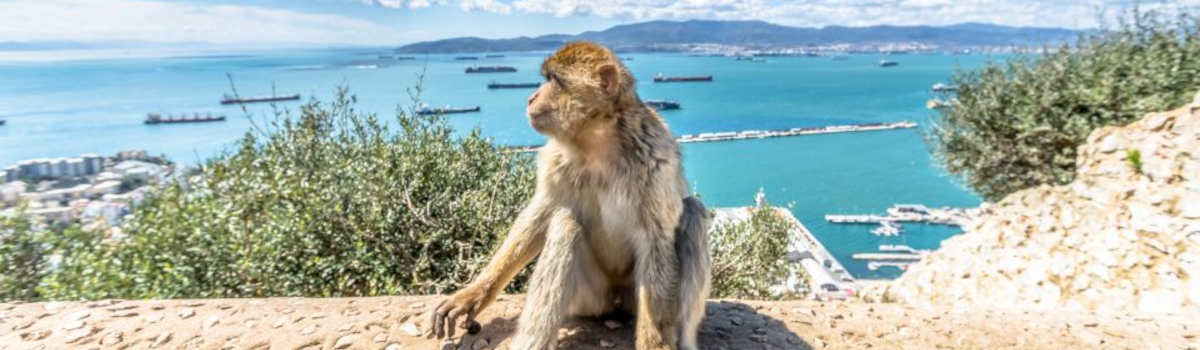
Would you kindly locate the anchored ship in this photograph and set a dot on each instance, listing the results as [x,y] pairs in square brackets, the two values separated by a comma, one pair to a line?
[659,78]
[491,69]
[493,56]
[447,110]
[228,100]
[887,63]
[466,58]
[495,85]
[661,105]
[155,118]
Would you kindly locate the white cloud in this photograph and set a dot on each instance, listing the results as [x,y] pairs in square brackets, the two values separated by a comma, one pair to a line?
[1055,13]
[159,21]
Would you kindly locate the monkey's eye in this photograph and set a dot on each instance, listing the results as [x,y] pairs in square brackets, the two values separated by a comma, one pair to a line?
[556,80]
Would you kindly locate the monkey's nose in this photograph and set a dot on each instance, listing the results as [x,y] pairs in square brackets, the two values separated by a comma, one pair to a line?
[531,98]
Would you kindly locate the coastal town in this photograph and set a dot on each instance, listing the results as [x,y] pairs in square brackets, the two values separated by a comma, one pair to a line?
[98,191]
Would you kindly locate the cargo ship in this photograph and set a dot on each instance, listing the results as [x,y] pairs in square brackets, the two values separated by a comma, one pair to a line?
[491,69]
[228,100]
[447,110]
[405,58]
[155,118]
[659,78]
[493,56]
[2,121]
[886,63]
[495,85]
[661,105]
[466,58]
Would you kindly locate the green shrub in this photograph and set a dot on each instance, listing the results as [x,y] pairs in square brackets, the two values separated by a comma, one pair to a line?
[1017,124]
[749,257]
[22,258]
[1134,157]
[330,203]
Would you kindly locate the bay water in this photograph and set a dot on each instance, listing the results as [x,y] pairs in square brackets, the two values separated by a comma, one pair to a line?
[59,105]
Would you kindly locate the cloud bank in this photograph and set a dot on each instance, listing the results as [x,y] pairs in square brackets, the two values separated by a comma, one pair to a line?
[159,21]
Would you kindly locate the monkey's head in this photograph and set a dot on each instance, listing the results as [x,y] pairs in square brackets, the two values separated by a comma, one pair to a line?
[585,83]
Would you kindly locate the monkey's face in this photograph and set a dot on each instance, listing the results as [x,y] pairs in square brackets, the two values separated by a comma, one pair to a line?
[572,98]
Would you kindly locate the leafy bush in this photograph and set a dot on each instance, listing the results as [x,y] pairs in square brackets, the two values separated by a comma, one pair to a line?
[1017,124]
[21,258]
[332,203]
[749,257]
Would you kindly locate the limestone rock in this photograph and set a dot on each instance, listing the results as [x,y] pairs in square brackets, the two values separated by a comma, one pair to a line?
[1117,239]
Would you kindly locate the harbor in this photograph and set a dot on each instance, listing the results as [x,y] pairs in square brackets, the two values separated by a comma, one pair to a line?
[762,134]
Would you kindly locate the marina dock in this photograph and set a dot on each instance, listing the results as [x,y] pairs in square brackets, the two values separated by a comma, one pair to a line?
[762,134]
[910,213]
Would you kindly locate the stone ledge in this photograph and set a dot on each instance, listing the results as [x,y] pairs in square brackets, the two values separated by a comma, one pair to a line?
[397,322]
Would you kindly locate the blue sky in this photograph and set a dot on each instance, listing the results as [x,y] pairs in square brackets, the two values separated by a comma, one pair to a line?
[391,22]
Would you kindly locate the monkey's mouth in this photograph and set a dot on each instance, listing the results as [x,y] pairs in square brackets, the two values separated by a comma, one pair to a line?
[540,121]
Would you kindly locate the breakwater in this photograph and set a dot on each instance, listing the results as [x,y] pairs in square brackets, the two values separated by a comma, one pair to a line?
[762,134]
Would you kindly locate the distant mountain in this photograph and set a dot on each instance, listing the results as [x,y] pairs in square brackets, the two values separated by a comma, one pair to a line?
[655,34]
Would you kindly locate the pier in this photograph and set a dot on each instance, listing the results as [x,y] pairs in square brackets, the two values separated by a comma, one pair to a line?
[762,134]
[875,265]
[886,256]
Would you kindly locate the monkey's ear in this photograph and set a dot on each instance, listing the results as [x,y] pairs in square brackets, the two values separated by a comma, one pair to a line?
[609,77]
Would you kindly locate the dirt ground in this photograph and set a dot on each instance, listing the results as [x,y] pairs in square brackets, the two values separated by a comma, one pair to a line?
[398,323]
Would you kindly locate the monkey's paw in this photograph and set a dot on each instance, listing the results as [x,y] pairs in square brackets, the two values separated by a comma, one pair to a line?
[466,302]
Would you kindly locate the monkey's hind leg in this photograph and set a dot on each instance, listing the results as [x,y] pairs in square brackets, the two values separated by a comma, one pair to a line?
[559,279]
[691,245]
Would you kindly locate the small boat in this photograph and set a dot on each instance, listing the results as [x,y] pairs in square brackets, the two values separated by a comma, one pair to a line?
[935,104]
[405,58]
[2,122]
[887,63]
[493,56]
[447,110]
[466,58]
[943,87]
[659,78]
[491,69]
[887,228]
[228,100]
[495,85]
[661,105]
[155,118]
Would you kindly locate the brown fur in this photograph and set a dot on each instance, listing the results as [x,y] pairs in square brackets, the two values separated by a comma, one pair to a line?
[609,216]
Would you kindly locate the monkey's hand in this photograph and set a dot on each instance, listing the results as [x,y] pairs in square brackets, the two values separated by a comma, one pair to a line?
[467,301]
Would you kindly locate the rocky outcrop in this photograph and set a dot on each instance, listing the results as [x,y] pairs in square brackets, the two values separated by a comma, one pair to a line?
[1124,237]
[392,323]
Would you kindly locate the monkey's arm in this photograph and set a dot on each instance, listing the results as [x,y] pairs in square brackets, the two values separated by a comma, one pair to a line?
[523,243]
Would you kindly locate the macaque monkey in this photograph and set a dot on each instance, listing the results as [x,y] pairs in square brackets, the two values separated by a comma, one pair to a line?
[611,217]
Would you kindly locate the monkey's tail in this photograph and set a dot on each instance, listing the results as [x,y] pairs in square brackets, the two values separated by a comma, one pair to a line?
[691,246]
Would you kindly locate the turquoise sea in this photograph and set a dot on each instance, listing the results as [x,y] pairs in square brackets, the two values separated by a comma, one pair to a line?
[65,105]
